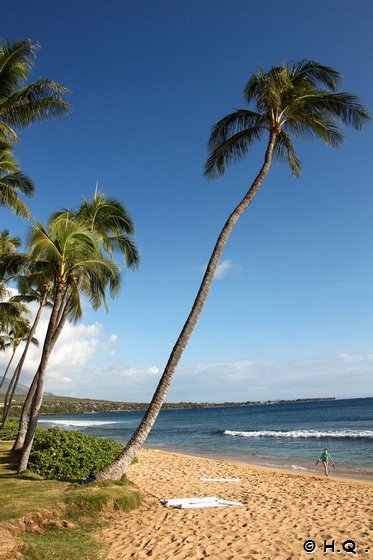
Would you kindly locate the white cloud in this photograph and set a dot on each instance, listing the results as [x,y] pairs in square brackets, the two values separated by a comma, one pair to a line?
[355,358]
[83,365]
[223,268]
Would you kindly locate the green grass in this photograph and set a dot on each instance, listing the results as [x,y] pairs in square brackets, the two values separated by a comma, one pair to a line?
[63,516]
[61,544]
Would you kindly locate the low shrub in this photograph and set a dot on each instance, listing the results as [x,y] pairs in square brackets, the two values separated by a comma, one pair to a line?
[10,432]
[65,454]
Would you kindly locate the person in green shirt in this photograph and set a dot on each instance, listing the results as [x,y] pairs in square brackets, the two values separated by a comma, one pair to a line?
[325,457]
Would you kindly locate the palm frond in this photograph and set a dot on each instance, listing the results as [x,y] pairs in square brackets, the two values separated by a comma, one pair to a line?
[19,182]
[8,133]
[9,197]
[104,214]
[12,265]
[126,246]
[345,107]
[315,73]
[16,61]
[284,151]
[38,101]
[234,148]
[233,123]
[315,126]
[8,244]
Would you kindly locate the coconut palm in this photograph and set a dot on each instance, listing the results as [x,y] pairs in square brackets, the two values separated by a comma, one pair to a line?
[11,264]
[8,246]
[79,268]
[113,226]
[111,222]
[20,104]
[13,182]
[290,101]
[8,243]
[34,287]
[17,334]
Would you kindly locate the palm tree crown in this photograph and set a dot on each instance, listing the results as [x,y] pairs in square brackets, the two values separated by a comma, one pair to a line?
[295,100]
[21,105]
[111,223]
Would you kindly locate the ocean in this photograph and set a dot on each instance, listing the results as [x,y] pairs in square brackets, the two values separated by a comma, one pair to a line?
[288,435]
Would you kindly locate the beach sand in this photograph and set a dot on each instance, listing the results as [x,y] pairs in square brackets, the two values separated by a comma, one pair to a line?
[281,510]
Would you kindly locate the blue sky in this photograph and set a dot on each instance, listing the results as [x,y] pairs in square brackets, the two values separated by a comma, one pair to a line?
[291,313]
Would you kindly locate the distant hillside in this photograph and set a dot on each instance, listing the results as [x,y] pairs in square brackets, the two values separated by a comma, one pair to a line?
[21,389]
[53,404]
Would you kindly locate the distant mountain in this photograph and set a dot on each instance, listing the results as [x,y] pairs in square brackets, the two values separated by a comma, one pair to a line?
[21,389]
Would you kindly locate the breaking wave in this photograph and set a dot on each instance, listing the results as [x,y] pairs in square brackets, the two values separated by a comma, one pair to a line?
[79,423]
[315,434]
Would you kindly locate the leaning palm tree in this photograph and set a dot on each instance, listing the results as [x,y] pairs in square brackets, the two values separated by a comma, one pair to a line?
[290,101]
[79,267]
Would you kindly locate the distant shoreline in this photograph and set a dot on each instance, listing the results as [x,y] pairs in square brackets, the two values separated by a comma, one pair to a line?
[53,404]
[68,405]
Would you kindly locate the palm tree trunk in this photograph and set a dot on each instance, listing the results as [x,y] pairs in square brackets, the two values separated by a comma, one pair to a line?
[39,392]
[25,414]
[118,467]
[23,421]
[8,366]
[17,372]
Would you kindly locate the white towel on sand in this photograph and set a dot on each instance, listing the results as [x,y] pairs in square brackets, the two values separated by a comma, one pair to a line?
[186,503]
[220,479]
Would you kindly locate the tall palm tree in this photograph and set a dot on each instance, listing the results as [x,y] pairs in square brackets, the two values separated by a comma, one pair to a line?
[290,101]
[22,104]
[79,267]
[109,220]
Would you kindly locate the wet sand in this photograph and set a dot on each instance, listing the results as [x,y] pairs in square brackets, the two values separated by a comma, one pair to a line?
[281,510]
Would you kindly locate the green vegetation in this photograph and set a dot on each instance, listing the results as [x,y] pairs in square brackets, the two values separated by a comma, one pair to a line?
[53,519]
[64,454]
[69,405]
[9,432]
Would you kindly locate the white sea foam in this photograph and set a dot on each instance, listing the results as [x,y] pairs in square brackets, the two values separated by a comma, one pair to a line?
[285,466]
[342,434]
[78,423]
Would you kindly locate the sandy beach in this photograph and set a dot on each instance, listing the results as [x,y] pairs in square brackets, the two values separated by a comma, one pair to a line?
[280,511]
